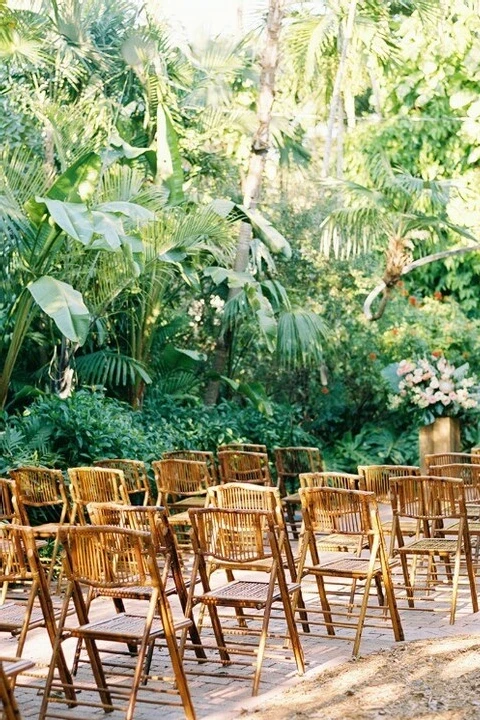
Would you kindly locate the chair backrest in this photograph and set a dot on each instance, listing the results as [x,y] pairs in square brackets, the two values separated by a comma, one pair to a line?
[107,557]
[291,461]
[428,498]
[376,478]
[93,484]
[14,566]
[469,473]
[327,510]
[240,466]
[40,495]
[330,478]
[243,447]
[247,496]
[177,477]
[135,476]
[233,536]
[198,455]
[150,519]
[447,458]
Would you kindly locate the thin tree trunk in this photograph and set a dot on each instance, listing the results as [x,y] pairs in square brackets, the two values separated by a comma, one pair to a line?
[337,87]
[253,179]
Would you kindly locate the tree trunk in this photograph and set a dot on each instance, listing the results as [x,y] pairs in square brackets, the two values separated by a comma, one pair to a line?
[337,87]
[253,179]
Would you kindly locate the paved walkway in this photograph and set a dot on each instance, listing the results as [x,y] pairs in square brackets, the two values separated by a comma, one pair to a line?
[218,696]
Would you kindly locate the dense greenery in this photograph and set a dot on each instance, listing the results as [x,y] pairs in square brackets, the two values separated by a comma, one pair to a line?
[124,151]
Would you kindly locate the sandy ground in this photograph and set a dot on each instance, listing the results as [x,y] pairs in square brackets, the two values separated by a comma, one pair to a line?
[425,680]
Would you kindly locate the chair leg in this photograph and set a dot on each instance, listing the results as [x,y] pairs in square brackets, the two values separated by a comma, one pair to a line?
[327,613]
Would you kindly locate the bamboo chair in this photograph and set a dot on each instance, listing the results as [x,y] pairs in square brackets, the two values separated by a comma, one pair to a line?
[289,463]
[198,455]
[155,521]
[438,505]
[40,494]
[135,475]
[243,447]
[376,478]
[339,480]
[352,513]
[241,466]
[9,669]
[111,561]
[252,540]
[181,484]
[470,474]
[20,563]
[94,484]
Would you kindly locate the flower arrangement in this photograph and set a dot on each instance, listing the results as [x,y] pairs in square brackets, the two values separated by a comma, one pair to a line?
[435,387]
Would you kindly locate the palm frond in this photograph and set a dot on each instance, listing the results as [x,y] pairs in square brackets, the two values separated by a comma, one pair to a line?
[111,369]
[300,336]
[349,231]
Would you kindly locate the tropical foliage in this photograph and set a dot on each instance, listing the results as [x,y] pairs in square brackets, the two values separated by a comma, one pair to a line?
[139,273]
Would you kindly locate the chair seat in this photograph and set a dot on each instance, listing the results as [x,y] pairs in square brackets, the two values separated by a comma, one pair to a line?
[13,666]
[433,545]
[338,541]
[407,526]
[243,593]
[188,502]
[122,627]
[293,499]
[182,518]
[345,566]
[12,616]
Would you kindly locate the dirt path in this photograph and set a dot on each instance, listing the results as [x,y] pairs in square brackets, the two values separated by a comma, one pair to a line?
[425,680]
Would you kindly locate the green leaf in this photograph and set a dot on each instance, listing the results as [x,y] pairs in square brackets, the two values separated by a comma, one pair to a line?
[254,392]
[234,279]
[72,218]
[64,305]
[169,162]
[77,184]
[131,210]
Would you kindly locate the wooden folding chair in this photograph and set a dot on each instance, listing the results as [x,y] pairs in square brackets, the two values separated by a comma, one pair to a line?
[94,484]
[241,466]
[155,521]
[42,502]
[200,456]
[115,560]
[250,540]
[246,496]
[351,514]
[289,463]
[181,484]
[136,483]
[438,506]
[20,563]
[376,478]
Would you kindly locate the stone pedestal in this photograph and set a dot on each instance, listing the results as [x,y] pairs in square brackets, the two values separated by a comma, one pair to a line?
[443,435]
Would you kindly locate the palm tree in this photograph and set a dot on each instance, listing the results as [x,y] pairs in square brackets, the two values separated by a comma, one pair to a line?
[401,216]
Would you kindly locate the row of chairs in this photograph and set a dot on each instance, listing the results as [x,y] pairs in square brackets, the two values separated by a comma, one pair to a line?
[346,513]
